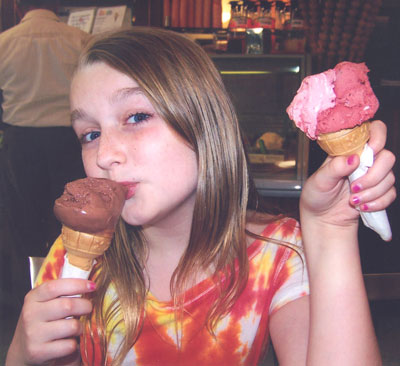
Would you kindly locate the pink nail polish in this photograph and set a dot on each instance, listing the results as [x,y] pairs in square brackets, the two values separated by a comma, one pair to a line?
[356,200]
[350,159]
[356,188]
[364,207]
[91,286]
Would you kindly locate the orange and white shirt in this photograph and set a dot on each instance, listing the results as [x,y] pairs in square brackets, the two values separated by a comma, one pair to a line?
[277,275]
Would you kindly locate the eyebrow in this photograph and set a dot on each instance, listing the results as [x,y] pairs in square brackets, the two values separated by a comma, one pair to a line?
[125,93]
[115,97]
[78,114]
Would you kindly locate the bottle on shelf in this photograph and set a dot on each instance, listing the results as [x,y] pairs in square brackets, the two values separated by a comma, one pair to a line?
[254,35]
[297,21]
[238,19]
[279,15]
[249,11]
[279,33]
[237,28]
[295,37]
[265,20]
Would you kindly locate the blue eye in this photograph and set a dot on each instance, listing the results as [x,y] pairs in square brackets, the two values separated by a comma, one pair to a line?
[138,117]
[89,137]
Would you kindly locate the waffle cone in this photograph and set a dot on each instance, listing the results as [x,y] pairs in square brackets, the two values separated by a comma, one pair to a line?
[83,248]
[345,142]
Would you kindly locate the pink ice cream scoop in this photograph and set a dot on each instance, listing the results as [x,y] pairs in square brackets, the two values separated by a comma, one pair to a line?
[337,99]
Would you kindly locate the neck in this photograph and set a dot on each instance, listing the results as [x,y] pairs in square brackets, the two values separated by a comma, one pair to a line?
[171,232]
[21,10]
[165,239]
[166,246]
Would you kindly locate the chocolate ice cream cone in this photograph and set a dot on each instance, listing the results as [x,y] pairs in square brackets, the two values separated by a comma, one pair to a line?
[83,248]
[345,142]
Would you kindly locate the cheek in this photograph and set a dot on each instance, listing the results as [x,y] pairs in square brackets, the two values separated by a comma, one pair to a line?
[184,171]
[89,163]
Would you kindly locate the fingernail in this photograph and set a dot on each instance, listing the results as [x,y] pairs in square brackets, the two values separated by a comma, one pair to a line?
[356,188]
[350,159]
[91,286]
[364,207]
[356,200]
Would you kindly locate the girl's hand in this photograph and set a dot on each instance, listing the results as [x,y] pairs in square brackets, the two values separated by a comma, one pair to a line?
[328,197]
[44,331]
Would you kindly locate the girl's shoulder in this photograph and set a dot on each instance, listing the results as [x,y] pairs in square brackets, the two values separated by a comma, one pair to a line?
[263,226]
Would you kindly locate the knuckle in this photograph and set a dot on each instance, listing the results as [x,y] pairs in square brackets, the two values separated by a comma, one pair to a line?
[30,335]
[89,306]
[75,326]
[393,156]
[67,305]
[27,297]
[394,193]
[34,353]
[51,287]
[71,346]
[390,156]
[26,316]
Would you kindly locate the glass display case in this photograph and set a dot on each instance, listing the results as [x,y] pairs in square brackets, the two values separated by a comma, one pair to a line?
[261,87]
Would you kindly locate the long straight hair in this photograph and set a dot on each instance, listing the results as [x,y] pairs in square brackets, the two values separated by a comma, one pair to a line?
[186,89]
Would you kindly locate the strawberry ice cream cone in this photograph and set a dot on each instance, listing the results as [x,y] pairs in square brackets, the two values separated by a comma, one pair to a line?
[345,142]
[333,108]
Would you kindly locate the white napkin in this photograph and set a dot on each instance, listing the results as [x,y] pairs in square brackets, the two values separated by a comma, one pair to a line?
[70,271]
[378,220]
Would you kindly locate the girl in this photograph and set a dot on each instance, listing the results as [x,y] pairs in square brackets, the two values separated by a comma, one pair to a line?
[196,274]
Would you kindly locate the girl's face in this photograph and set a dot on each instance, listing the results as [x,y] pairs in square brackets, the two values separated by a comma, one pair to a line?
[124,139]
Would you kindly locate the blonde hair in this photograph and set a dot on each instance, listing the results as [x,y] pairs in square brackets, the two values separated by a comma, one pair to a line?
[185,88]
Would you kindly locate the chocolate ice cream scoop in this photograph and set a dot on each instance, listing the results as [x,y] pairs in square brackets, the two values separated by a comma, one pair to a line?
[91,205]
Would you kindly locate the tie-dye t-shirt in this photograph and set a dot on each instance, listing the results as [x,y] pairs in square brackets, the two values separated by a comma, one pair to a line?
[277,275]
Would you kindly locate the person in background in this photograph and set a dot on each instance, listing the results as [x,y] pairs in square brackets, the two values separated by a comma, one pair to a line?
[40,151]
[198,273]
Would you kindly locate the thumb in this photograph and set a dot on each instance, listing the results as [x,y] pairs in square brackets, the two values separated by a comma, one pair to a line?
[334,170]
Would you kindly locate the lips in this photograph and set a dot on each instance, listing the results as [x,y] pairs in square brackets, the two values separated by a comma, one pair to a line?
[131,189]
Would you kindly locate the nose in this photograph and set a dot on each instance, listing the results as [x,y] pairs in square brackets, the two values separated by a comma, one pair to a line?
[110,152]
